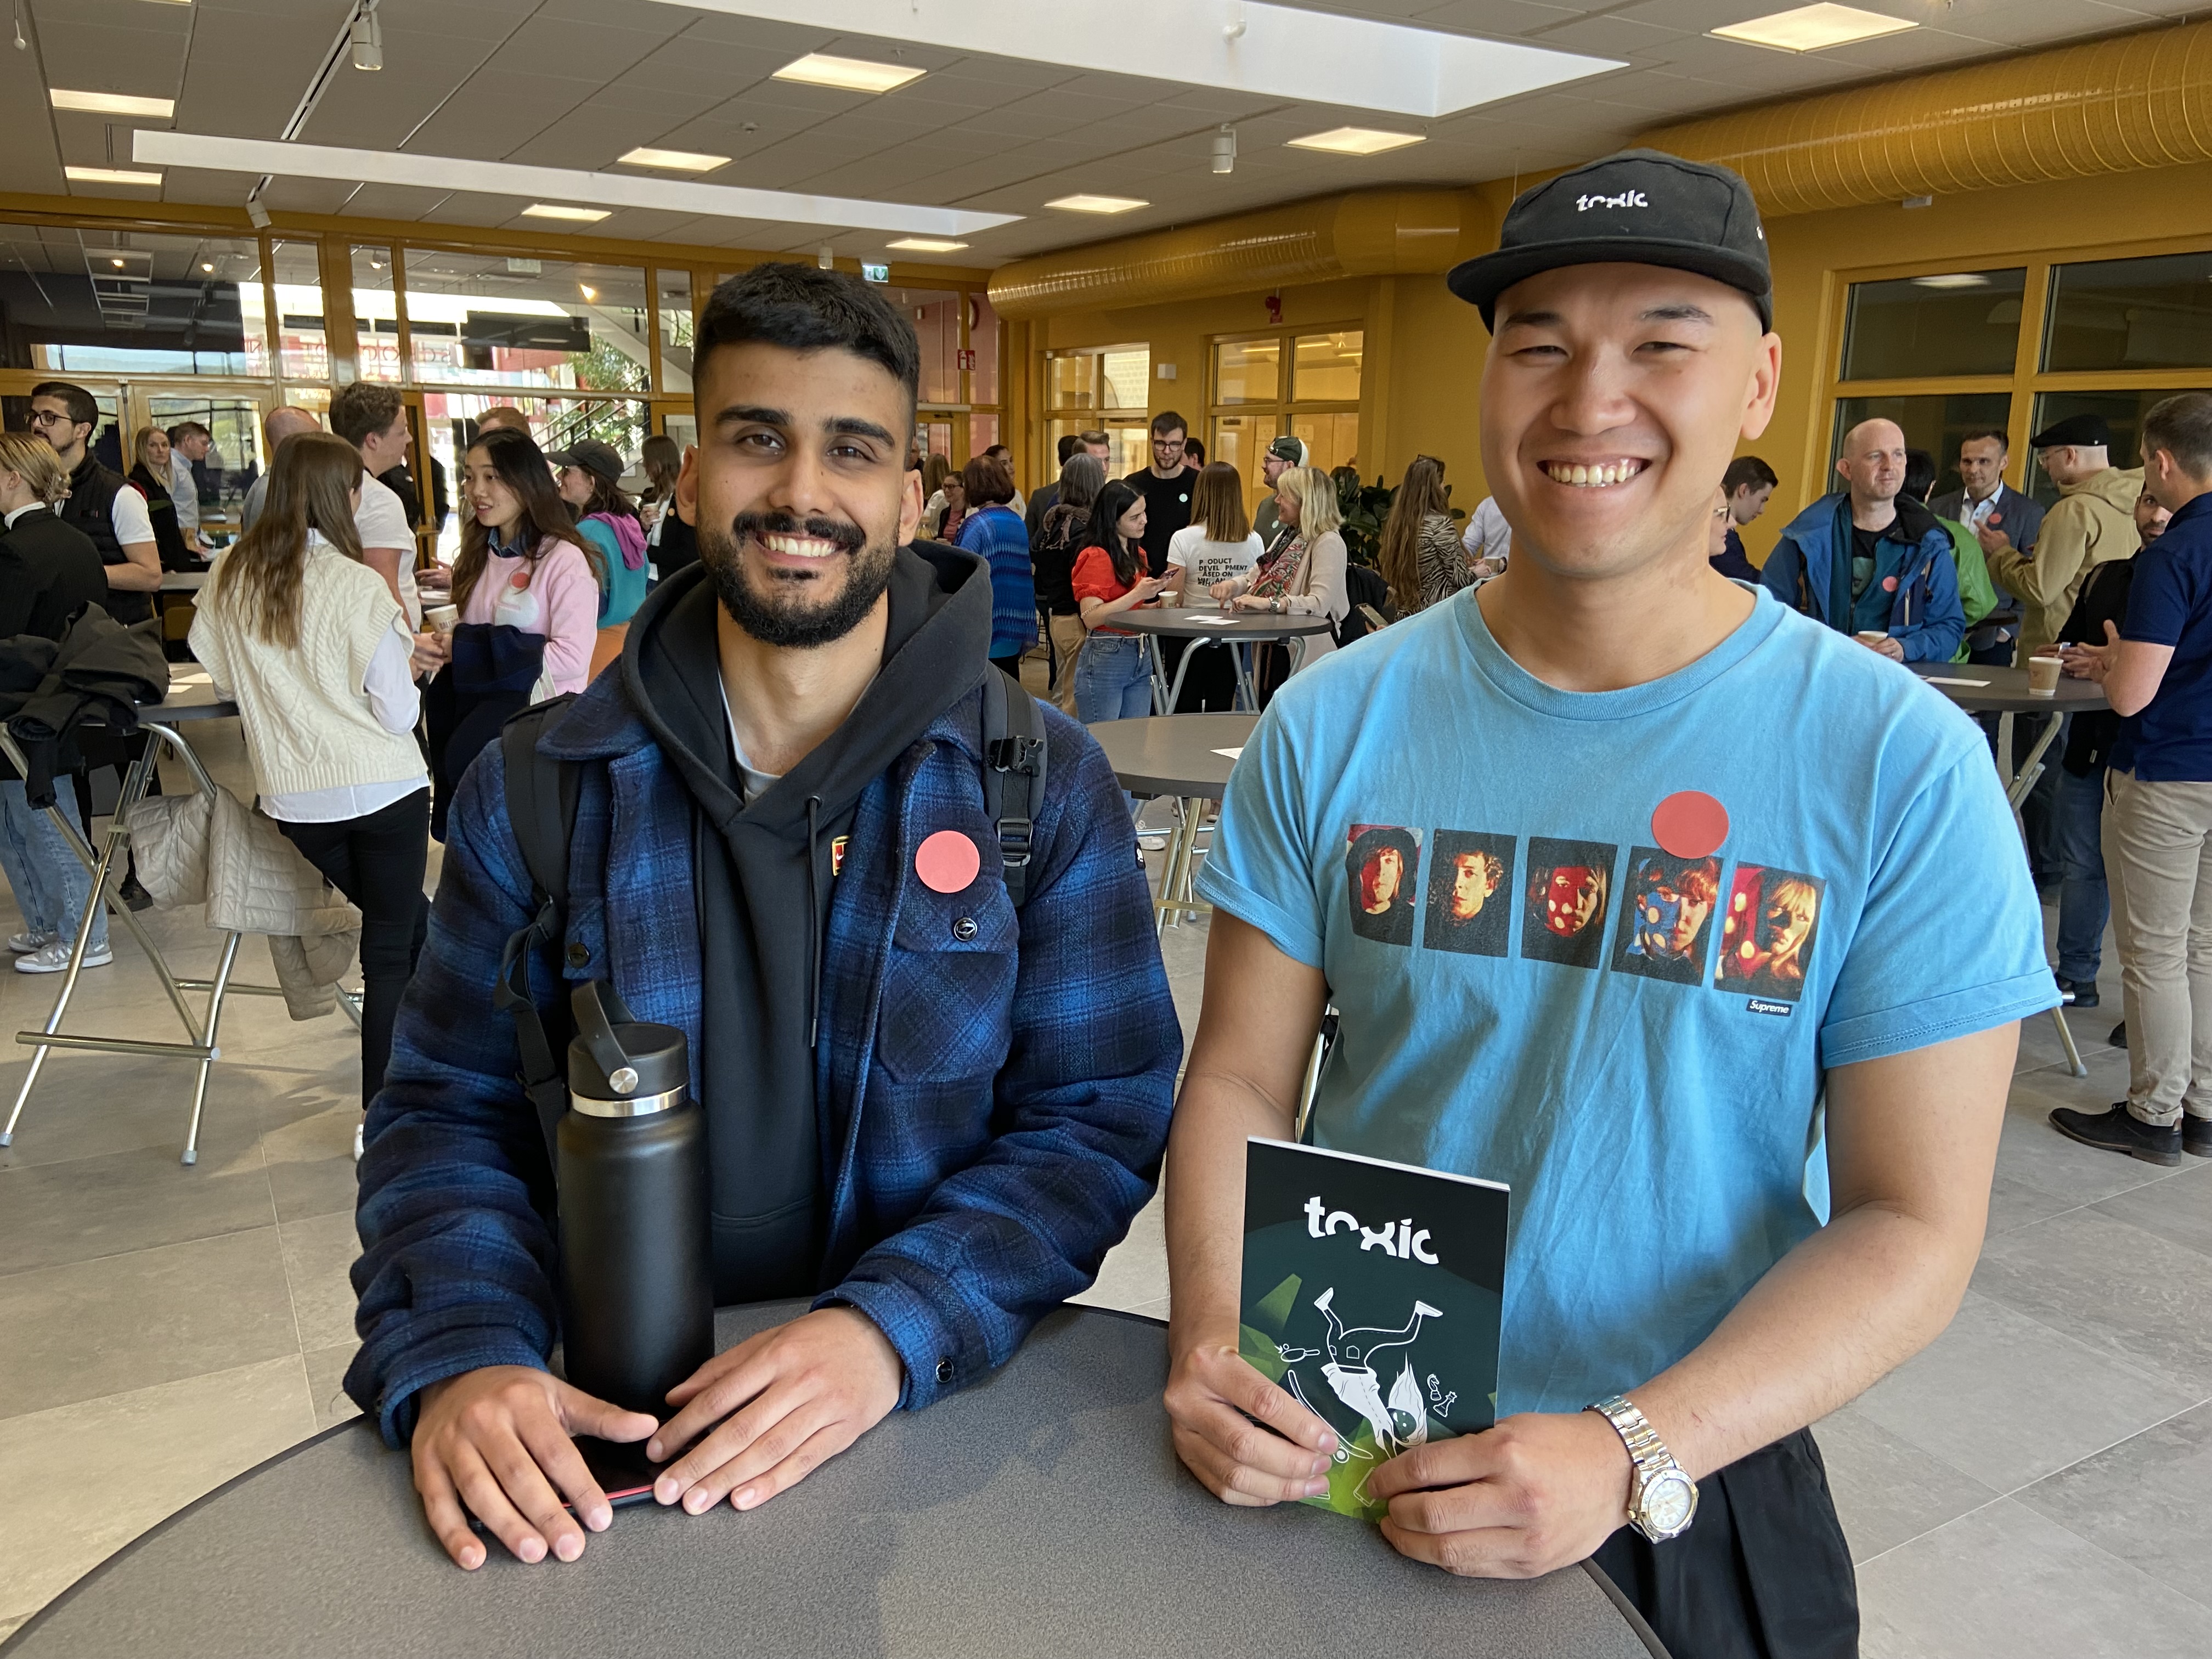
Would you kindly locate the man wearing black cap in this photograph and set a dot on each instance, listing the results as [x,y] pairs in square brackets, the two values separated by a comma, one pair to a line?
[1284,453]
[1743,1189]
[2093,521]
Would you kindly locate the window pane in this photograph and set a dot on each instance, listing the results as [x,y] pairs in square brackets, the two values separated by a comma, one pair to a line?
[1241,440]
[1247,371]
[303,348]
[936,319]
[1328,367]
[1961,322]
[2122,412]
[983,341]
[1332,440]
[1071,381]
[675,331]
[2131,313]
[127,302]
[233,458]
[498,320]
[982,431]
[1937,425]
[1128,377]
[375,314]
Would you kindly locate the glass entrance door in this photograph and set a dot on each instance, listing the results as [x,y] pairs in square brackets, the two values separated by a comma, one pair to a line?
[217,444]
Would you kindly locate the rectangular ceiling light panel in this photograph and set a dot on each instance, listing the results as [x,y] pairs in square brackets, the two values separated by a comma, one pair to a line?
[675,161]
[112,176]
[113,103]
[925,245]
[819,69]
[1355,141]
[1809,28]
[1282,52]
[615,189]
[1082,203]
[574,215]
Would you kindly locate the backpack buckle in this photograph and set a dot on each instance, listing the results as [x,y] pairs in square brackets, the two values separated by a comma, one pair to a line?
[1014,841]
[1016,755]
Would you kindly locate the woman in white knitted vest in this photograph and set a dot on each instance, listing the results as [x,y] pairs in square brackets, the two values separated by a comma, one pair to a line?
[311,644]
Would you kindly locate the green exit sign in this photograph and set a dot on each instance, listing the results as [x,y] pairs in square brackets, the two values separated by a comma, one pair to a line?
[875,273]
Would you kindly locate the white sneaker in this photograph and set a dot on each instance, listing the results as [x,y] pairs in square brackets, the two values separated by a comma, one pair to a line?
[55,958]
[1153,840]
[23,944]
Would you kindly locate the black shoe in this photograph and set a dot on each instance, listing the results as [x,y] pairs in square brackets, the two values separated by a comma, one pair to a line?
[2197,1136]
[2078,992]
[133,894]
[2118,1039]
[2120,1130]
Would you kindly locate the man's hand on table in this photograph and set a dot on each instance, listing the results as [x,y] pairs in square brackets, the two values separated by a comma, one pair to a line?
[1538,1492]
[498,1440]
[1212,1394]
[800,1393]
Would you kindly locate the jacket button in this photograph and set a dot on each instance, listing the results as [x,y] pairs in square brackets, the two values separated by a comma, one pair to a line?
[965,929]
[579,955]
[944,1370]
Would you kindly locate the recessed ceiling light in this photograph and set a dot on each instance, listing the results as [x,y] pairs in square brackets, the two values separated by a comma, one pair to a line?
[1080,203]
[207,265]
[574,215]
[678,161]
[588,291]
[925,245]
[1811,28]
[1356,141]
[117,263]
[112,103]
[1953,279]
[819,69]
[111,176]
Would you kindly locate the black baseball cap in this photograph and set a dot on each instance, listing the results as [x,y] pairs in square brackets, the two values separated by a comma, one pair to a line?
[604,459]
[1639,207]
[2087,431]
[1287,449]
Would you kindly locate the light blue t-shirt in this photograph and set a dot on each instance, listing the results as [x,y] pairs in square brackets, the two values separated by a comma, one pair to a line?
[1535,989]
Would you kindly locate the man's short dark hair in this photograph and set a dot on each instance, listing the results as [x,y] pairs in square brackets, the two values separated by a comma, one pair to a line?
[2182,426]
[1168,421]
[987,481]
[185,429]
[362,408]
[1069,443]
[1919,473]
[1995,434]
[1000,451]
[1094,439]
[83,407]
[1748,470]
[806,308]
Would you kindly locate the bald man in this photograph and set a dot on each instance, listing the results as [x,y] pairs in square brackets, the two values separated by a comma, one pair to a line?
[1870,560]
[280,422]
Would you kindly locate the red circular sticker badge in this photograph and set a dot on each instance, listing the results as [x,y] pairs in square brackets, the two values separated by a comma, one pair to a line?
[1690,823]
[947,862]
[1889,583]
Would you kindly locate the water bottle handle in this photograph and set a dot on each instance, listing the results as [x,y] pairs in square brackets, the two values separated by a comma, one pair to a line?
[598,1007]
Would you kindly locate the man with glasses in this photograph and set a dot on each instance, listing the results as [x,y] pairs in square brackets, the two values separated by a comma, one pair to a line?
[101,502]
[1165,485]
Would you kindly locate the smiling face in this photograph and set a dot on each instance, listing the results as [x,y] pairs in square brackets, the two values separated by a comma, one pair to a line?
[799,488]
[1612,400]
[489,496]
[575,485]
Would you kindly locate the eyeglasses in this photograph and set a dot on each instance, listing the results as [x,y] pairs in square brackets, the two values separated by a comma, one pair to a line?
[1169,444]
[42,418]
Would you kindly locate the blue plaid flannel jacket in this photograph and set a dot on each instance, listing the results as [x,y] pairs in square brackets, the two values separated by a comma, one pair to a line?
[1005,1097]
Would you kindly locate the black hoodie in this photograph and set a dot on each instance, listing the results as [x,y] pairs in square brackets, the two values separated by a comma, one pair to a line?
[762,877]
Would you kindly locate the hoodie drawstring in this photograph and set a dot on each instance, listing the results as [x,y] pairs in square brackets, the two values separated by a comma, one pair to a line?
[813,919]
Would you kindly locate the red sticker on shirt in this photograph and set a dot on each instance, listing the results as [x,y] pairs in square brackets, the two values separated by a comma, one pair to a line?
[947,862]
[1690,824]
[1889,583]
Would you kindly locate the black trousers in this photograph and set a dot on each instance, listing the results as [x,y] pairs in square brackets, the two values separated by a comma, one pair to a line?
[377,861]
[1763,1572]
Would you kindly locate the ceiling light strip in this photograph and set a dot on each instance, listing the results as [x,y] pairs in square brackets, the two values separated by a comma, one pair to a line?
[1281,52]
[112,103]
[451,174]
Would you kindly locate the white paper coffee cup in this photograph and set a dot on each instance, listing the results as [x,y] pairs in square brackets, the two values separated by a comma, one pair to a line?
[2043,673]
[442,618]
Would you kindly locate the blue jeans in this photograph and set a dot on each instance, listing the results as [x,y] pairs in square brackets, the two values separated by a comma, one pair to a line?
[1113,683]
[51,885]
[2077,811]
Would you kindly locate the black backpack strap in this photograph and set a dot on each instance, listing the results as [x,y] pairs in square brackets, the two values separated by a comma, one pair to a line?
[1013,747]
[541,805]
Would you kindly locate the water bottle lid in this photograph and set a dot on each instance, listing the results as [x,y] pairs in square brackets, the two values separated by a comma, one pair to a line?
[615,1057]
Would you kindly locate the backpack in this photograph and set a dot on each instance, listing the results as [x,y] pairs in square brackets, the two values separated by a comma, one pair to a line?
[1369,597]
[541,804]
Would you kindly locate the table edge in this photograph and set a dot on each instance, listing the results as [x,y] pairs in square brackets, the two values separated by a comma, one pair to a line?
[1627,1609]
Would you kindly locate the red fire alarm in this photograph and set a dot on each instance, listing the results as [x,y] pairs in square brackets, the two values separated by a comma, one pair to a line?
[1274,303]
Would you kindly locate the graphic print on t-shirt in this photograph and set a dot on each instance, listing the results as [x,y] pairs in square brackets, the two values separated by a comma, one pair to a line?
[1470,893]
[1666,925]
[1382,866]
[1569,884]
[1773,921]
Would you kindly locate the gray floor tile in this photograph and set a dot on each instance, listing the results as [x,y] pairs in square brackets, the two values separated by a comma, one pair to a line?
[1887,1489]
[1136,1269]
[309,1144]
[2005,1582]
[326,1369]
[2015,1203]
[2177,1209]
[2078,1400]
[317,1251]
[2144,1501]
[95,1329]
[2127,1292]
[87,1105]
[52,1213]
[2033,1153]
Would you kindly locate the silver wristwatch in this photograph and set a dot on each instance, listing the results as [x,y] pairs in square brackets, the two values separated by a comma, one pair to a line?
[1663,1500]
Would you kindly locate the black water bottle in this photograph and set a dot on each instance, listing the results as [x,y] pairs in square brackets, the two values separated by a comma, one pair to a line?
[637,1283]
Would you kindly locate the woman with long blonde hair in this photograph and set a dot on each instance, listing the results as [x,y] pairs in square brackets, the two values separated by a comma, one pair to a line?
[313,647]
[1304,575]
[150,477]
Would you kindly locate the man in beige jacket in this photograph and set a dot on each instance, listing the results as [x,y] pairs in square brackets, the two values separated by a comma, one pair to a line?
[2093,521]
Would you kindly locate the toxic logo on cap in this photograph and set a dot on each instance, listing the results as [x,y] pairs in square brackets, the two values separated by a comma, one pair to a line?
[1626,199]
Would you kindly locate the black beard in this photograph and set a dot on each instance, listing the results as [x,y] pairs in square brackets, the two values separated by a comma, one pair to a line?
[784,618]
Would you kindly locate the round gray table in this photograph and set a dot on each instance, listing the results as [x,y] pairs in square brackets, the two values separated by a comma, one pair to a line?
[1206,624]
[1189,757]
[1043,1512]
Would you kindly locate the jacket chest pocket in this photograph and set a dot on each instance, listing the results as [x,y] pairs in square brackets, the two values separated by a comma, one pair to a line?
[949,983]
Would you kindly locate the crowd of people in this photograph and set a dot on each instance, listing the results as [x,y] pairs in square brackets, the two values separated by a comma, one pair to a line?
[940,1084]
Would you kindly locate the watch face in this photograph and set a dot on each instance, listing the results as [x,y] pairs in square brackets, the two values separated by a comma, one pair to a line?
[1670,1501]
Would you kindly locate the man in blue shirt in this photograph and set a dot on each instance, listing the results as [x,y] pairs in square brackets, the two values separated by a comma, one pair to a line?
[1871,559]
[1836,1010]
[2157,675]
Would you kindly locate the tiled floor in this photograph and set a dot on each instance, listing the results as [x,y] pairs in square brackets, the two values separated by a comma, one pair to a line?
[2038,1483]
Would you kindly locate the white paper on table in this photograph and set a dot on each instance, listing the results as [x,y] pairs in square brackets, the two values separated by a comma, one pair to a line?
[1934,680]
[1234,754]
